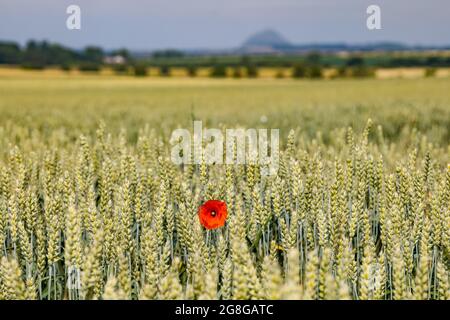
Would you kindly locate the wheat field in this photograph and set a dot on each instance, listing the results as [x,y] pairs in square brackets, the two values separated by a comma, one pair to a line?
[91,207]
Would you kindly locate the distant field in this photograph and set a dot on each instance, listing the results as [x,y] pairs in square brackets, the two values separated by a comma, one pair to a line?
[35,99]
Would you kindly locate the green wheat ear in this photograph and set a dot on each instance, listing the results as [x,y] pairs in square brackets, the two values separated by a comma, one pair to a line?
[99,213]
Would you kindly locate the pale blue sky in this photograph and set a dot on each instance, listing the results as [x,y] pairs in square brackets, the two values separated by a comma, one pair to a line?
[151,24]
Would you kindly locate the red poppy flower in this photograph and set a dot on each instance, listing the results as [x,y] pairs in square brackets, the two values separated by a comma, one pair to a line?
[212,214]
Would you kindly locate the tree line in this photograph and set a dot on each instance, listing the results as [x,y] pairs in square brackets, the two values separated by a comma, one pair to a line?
[42,54]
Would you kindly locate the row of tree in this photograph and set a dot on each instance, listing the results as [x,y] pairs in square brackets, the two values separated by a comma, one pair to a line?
[39,55]
[299,71]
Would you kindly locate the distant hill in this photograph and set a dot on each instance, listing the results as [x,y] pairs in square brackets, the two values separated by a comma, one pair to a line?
[270,41]
[266,38]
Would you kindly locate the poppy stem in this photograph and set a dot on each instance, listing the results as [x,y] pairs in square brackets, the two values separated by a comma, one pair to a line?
[208,234]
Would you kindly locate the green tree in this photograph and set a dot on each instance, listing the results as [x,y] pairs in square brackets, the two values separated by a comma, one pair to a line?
[164,71]
[252,71]
[121,69]
[314,72]
[342,72]
[93,54]
[140,70]
[362,71]
[218,71]
[299,71]
[10,53]
[313,58]
[89,66]
[66,66]
[34,56]
[355,61]
[192,71]
[237,73]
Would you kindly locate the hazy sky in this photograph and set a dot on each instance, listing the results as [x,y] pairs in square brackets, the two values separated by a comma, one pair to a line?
[150,24]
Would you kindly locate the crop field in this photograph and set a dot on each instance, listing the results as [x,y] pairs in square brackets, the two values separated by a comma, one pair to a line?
[92,207]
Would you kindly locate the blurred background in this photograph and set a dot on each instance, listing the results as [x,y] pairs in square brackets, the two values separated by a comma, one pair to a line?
[270,38]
